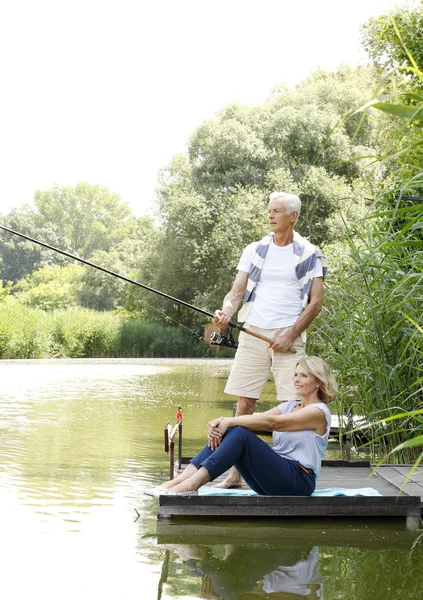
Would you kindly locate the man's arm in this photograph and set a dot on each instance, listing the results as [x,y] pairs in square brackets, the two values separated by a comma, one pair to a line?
[282,343]
[231,300]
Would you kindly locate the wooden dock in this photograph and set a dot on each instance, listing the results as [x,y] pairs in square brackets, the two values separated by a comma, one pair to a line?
[398,498]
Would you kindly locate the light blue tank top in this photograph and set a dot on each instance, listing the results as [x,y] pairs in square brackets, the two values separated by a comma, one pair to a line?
[304,446]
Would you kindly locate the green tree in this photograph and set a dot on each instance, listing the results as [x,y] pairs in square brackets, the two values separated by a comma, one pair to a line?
[101,291]
[90,216]
[390,51]
[299,140]
[5,290]
[50,288]
[196,252]
[229,151]
[100,228]
[395,41]
[19,257]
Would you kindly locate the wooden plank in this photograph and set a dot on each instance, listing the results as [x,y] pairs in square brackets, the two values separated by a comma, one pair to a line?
[335,464]
[286,501]
[405,470]
[289,511]
[396,477]
[290,506]
[324,513]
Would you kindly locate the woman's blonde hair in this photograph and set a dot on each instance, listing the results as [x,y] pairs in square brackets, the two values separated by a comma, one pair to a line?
[323,373]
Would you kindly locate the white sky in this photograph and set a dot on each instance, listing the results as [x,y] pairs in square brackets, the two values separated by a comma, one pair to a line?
[107,91]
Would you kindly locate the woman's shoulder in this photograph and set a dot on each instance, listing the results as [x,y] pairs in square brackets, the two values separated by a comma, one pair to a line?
[324,408]
[288,406]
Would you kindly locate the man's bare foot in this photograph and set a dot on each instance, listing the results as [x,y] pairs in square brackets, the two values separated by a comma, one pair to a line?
[229,483]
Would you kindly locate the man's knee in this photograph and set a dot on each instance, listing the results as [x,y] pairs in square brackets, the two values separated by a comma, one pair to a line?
[246,406]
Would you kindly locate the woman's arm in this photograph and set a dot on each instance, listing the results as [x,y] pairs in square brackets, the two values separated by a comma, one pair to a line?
[299,420]
[214,434]
[272,411]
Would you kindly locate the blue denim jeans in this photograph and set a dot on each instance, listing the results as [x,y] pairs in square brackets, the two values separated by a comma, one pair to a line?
[265,471]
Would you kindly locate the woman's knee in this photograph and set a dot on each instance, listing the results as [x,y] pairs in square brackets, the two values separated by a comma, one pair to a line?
[239,432]
[236,430]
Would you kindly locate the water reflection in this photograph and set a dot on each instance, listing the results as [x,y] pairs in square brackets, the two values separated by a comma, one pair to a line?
[243,573]
[288,559]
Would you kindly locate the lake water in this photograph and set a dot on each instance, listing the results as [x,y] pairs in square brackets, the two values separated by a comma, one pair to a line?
[80,439]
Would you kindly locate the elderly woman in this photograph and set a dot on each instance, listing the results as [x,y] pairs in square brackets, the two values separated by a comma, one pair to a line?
[300,437]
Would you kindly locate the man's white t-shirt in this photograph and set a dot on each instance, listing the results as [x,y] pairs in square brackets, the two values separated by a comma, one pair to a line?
[296,579]
[277,301]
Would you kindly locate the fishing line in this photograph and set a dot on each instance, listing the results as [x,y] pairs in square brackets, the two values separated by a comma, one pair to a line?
[90,264]
[221,337]
[161,312]
[167,317]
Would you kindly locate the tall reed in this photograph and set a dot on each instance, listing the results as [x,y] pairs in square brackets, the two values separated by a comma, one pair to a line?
[23,333]
[372,329]
[138,338]
[81,332]
[365,333]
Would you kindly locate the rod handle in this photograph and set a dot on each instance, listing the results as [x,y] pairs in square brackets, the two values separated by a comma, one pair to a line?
[266,339]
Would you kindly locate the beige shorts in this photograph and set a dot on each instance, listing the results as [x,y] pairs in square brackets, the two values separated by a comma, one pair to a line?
[254,361]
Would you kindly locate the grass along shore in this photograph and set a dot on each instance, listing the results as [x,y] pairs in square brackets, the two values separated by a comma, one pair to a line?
[83,333]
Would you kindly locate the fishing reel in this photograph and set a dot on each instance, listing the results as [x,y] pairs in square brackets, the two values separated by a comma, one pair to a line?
[218,338]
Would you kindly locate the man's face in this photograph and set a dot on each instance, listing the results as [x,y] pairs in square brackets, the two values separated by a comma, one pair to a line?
[279,220]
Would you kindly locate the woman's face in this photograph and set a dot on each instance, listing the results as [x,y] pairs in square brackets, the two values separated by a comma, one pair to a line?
[305,384]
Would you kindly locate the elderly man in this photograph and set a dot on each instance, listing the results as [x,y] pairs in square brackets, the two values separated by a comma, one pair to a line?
[281,280]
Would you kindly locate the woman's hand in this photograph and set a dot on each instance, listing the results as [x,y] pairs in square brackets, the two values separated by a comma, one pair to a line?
[213,433]
[216,430]
[223,426]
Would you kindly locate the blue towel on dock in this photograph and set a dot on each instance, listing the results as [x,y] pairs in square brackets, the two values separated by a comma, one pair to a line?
[347,492]
[212,491]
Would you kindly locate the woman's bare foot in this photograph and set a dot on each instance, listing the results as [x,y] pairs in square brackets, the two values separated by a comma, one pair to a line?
[226,484]
[167,485]
[184,487]
[192,483]
[186,474]
[233,480]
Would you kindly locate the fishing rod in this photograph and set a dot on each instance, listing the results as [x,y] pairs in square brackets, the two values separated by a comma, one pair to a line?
[401,197]
[216,338]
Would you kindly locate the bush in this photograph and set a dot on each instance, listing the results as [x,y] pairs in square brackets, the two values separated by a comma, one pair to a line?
[77,332]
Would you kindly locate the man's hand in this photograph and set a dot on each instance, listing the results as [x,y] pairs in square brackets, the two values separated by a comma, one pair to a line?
[283,343]
[220,318]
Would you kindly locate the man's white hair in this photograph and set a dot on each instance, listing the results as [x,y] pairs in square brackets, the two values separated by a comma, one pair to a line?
[291,202]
